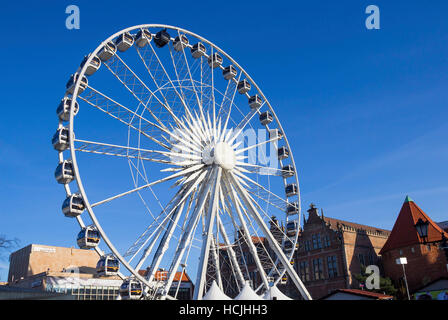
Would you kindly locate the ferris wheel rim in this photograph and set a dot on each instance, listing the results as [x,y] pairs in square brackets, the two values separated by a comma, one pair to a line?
[73,151]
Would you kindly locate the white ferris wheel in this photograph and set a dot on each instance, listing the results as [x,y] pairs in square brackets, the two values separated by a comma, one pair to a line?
[174,162]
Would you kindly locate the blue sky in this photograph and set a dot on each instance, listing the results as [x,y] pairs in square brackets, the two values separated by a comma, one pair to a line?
[365,110]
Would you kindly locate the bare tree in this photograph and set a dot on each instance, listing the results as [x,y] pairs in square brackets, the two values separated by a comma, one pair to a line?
[7,245]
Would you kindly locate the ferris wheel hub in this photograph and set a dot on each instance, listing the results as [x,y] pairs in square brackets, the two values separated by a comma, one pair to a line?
[221,154]
[224,156]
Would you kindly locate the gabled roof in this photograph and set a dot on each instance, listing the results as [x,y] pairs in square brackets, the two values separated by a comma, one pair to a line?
[404,232]
[335,223]
[364,293]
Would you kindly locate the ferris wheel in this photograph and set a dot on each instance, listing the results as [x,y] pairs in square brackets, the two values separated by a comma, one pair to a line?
[179,165]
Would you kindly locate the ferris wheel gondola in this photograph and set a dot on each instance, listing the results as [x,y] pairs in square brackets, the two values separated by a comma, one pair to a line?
[64,172]
[63,109]
[143,37]
[131,289]
[73,205]
[88,238]
[184,125]
[108,265]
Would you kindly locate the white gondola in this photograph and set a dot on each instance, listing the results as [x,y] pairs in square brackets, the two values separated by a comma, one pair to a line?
[180,43]
[291,190]
[243,86]
[284,279]
[93,66]
[288,171]
[88,238]
[255,102]
[162,38]
[292,208]
[275,134]
[291,228]
[215,60]
[124,41]
[282,153]
[63,110]
[61,140]
[266,118]
[229,72]
[108,265]
[108,51]
[143,38]
[198,50]
[131,289]
[73,205]
[72,82]
[64,172]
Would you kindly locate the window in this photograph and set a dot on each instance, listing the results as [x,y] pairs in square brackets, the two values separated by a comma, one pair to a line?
[318,269]
[304,271]
[317,243]
[327,241]
[307,245]
[332,267]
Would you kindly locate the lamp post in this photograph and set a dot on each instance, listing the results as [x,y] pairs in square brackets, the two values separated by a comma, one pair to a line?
[403,261]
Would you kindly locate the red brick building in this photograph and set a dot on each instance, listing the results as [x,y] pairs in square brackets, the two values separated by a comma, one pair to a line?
[425,262]
[332,251]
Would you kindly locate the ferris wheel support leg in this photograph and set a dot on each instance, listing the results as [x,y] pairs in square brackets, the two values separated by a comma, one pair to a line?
[187,236]
[207,236]
[273,243]
[215,253]
[163,245]
[231,254]
[247,236]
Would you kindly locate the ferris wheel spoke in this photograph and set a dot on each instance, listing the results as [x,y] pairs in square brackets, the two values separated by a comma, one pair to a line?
[229,247]
[183,158]
[173,176]
[138,89]
[168,226]
[207,84]
[240,126]
[122,151]
[262,193]
[117,111]
[185,71]
[246,234]
[190,228]
[245,167]
[188,191]
[207,235]
[272,242]
[237,152]
[230,105]
[160,77]
[153,231]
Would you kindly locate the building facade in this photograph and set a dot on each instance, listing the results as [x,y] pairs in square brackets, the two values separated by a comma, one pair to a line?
[425,262]
[61,270]
[332,251]
[72,272]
